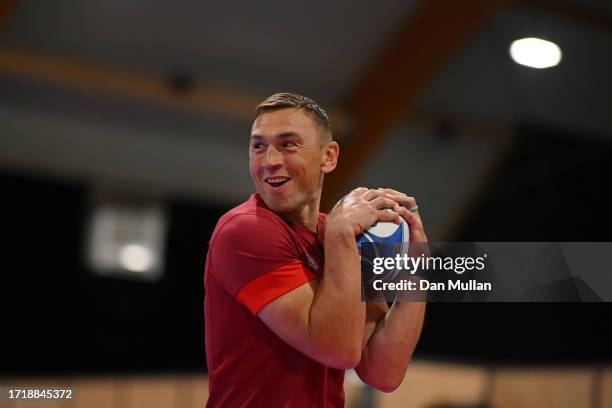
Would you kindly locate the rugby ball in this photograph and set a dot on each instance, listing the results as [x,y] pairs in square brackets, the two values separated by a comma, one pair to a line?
[383,239]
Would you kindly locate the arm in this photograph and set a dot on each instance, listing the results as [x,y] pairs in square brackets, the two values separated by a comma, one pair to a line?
[325,320]
[391,335]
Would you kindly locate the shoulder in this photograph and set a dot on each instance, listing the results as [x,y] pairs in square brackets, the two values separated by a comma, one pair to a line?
[247,243]
[249,222]
[250,228]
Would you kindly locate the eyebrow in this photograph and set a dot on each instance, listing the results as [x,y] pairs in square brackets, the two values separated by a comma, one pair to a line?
[283,135]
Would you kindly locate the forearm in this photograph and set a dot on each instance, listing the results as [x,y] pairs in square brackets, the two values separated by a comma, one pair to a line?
[388,352]
[337,315]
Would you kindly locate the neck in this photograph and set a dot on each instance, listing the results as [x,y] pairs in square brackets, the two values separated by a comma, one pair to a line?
[308,215]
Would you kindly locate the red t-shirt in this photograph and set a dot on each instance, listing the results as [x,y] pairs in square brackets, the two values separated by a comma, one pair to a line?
[255,257]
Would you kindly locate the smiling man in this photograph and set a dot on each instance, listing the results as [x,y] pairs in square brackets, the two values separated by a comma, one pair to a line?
[283,310]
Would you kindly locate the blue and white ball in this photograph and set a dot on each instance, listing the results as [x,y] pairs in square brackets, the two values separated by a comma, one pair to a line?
[389,239]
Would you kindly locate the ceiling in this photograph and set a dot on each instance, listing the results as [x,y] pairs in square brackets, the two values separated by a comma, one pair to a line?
[321,49]
[318,47]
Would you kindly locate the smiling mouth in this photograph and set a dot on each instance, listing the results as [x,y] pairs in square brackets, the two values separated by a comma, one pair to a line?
[277,181]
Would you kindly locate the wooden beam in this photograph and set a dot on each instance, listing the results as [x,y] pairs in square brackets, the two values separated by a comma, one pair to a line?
[122,83]
[135,85]
[427,39]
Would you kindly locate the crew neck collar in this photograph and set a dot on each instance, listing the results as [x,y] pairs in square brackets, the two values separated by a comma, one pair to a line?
[309,235]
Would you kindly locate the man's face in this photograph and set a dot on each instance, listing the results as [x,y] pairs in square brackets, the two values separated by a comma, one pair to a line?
[286,159]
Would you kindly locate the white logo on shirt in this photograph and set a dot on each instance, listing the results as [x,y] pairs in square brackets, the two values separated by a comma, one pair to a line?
[312,263]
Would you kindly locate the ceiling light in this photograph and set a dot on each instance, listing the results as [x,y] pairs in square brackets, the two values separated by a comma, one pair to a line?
[136,258]
[127,240]
[535,52]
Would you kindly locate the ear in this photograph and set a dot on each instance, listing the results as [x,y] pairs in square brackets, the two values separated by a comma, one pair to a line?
[329,158]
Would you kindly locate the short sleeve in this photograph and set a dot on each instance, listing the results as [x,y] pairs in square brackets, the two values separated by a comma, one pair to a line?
[255,260]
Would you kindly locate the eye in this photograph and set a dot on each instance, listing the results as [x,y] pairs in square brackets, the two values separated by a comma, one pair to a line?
[257,145]
[289,144]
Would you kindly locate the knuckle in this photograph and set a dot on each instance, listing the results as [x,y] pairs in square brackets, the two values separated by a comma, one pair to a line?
[409,216]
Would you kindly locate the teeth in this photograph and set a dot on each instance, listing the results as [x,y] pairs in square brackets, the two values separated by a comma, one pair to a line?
[276,179]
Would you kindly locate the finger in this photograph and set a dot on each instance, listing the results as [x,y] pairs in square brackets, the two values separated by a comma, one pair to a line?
[400,197]
[387,215]
[417,231]
[391,191]
[404,200]
[353,194]
[372,194]
[359,191]
[383,202]
[413,219]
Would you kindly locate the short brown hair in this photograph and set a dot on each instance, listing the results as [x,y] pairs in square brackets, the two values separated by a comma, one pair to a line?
[290,100]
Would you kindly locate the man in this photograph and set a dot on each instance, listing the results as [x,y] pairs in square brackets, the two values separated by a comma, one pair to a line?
[283,310]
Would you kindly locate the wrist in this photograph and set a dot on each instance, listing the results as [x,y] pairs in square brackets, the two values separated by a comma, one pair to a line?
[338,231]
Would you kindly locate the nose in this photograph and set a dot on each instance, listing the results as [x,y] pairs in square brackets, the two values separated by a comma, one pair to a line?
[273,158]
